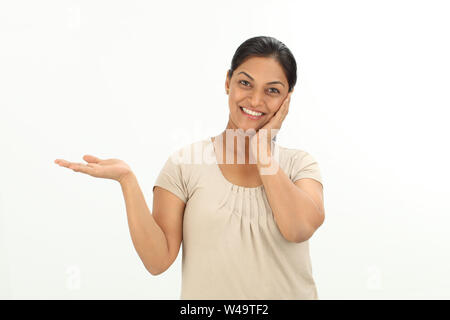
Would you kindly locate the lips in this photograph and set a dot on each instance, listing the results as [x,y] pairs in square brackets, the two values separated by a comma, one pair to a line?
[251,117]
[252,110]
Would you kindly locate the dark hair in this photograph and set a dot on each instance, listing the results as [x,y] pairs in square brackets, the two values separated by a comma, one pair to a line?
[266,47]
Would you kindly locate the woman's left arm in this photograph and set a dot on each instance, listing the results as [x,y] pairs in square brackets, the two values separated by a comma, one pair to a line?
[297,206]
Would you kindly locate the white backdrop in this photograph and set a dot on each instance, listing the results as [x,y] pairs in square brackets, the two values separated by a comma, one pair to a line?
[136,80]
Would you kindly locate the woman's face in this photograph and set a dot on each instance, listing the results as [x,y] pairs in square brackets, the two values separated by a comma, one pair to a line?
[258,84]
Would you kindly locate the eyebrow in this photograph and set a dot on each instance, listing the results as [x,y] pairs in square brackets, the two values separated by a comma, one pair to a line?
[272,82]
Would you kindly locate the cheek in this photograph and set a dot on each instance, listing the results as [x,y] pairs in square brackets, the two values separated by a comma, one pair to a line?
[273,109]
[234,100]
[236,95]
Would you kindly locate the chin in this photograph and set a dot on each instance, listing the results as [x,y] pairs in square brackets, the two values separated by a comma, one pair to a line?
[246,128]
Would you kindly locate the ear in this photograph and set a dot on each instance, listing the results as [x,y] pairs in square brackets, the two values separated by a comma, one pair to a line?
[227,83]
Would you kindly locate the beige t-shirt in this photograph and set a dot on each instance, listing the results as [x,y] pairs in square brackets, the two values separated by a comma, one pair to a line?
[232,247]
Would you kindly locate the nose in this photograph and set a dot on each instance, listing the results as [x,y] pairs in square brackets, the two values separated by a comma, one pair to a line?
[257,100]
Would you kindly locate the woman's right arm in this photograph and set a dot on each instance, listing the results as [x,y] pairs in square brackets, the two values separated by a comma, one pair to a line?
[156,237]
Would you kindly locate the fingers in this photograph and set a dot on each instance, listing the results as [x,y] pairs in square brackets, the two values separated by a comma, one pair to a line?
[81,167]
[77,166]
[285,108]
[282,112]
[280,115]
[62,163]
[278,118]
[93,165]
[91,159]
[288,99]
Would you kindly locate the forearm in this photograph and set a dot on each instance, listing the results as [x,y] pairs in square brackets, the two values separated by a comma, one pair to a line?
[148,238]
[295,213]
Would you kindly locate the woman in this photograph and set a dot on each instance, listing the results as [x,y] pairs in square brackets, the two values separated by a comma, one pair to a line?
[244,225]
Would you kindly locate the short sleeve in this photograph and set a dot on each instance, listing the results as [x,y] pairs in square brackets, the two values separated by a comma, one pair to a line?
[171,178]
[305,166]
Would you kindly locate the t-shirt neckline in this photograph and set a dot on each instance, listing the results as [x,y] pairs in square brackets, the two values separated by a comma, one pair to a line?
[235,186]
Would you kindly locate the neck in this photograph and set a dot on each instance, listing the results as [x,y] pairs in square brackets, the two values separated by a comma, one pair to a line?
[230,147]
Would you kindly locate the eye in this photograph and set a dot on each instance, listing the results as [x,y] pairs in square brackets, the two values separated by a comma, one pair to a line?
[244,82]
[278,91]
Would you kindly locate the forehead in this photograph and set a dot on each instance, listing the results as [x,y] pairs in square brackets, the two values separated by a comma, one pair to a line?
[262,68]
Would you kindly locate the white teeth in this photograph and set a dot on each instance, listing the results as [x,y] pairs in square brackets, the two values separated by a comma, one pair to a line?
[250,112]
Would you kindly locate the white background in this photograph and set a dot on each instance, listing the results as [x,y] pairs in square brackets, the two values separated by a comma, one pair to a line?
[136,80]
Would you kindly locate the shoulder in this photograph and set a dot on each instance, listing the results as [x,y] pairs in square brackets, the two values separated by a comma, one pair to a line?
[292,154]
[298,163]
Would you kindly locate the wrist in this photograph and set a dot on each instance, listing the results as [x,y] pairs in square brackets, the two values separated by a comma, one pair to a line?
[264,155]
[264,162]
[126,178]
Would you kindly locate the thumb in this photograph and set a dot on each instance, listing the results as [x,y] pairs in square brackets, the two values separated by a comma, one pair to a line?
[90,158]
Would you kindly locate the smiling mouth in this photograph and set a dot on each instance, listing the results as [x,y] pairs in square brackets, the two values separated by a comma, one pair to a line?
[252,115]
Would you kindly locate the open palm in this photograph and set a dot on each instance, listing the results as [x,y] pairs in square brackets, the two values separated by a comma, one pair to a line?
[114,169]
